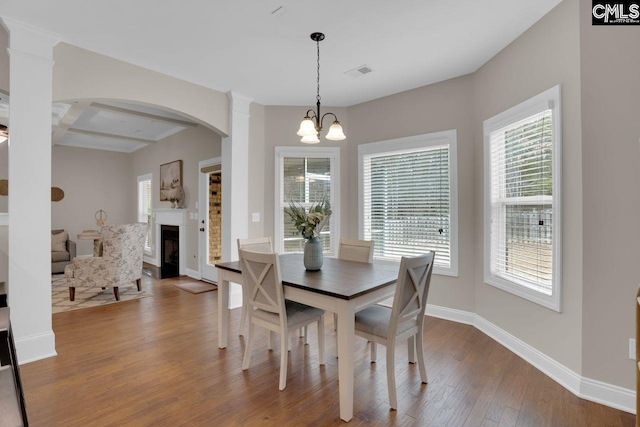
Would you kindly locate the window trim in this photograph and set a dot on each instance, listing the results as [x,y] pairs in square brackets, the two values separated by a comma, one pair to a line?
[433,139]
[145,177]
[549,99]
[313,152]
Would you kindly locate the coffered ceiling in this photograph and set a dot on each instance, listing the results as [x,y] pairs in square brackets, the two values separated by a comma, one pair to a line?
[113,126]
[108,125]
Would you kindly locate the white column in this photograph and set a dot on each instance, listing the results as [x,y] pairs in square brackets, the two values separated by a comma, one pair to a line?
[235,184]
[29,279]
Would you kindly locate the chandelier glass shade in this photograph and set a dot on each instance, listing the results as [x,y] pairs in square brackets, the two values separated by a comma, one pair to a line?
[311,125]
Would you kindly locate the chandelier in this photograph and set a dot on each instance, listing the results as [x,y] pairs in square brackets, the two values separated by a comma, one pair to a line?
[311,125]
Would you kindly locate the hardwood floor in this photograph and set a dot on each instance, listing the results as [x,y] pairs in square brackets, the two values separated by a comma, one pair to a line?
[155,362]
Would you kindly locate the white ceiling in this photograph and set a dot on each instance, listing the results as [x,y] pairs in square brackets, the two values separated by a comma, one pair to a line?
[241,45]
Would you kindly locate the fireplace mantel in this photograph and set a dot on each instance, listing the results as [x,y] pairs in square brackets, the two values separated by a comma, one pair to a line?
[172,217]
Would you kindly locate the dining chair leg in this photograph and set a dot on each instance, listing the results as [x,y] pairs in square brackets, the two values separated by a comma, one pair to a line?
[421,365]
[284,355]
[374,352]
[248,348]
[391,375]
[321,340]
[243,316]
[269,344]
[411,349]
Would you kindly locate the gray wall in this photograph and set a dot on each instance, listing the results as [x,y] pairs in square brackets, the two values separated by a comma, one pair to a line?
[257,161]
[4,60]
[545,55]
[611,183]
[438,107]
[91,180]
[191,146]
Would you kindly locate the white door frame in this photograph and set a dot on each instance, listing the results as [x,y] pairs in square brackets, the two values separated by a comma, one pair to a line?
[207,272]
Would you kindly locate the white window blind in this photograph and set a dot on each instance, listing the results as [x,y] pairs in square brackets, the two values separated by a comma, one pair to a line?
[408,202]
[406,198]
[305,177]
[306,181]
[144,206]
[521,200]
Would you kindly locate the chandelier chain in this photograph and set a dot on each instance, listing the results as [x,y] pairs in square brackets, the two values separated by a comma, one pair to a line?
[318,95]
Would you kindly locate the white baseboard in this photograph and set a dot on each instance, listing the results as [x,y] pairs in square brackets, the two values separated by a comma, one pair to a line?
[585,388]
[553,369]
[609,395]
[194,274]
[452,314]
[36,347]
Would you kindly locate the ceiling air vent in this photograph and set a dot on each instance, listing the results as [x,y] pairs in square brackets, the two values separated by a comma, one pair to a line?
[359,71]
[280,11]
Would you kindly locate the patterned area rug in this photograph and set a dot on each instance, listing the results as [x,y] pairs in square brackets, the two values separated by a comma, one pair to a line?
[196,287]
[88,297]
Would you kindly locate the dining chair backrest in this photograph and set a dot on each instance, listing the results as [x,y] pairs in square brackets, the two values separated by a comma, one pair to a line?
[261,274]
[258,244]
[355,250]
[410,299]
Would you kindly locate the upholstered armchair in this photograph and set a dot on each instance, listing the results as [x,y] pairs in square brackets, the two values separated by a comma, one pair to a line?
[119,265]
[63,251]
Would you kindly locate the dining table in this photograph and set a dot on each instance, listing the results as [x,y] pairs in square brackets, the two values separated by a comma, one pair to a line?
[342,287]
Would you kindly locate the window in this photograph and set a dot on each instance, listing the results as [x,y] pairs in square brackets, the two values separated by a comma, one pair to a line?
[408,198]
[522,195]
[306,176]
[144,207]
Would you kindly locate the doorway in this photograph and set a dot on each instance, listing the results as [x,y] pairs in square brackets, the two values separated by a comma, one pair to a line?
[210,218]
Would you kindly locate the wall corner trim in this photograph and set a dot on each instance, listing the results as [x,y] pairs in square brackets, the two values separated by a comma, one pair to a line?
[585,388]
[194,274]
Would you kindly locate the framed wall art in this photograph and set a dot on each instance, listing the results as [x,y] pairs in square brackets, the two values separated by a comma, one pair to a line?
[170,180]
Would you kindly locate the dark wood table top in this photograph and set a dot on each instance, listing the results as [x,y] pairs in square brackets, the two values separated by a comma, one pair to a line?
[337,278]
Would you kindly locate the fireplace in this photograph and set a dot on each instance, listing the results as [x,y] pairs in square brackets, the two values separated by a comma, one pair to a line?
[170,256]
[177,218]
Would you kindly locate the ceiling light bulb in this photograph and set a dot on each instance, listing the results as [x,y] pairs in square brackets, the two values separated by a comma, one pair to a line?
[311,139]
[307,127]
[335,132]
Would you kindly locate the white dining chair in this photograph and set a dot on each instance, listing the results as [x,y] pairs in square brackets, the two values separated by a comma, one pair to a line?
[403,321]
[267,307]
[354,250]
[258,244]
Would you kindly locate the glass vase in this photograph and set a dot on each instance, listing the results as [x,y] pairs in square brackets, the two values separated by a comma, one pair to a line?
[313,254]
